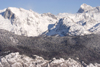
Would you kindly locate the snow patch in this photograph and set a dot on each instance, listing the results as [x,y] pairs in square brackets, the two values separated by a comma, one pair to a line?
[17,60]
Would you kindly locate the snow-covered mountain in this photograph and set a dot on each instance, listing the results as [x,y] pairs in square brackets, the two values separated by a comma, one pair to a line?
[24,22]
[84,8]
[30,23]
[86,21]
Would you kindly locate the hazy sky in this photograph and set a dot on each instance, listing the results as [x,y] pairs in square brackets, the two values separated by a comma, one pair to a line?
[52,6]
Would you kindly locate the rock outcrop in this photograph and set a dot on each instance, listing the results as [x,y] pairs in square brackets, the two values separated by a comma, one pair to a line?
[17,60]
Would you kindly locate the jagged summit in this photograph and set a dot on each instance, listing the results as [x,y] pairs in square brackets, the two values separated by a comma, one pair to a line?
[84,8]
[8,14]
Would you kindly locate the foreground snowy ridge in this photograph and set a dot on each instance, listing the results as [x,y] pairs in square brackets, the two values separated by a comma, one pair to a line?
[17,60]
[29,23]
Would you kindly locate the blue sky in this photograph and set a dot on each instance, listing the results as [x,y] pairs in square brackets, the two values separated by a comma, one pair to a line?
[52,6]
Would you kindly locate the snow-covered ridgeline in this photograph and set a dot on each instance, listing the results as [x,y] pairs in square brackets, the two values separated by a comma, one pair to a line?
[24,22]
[17,60]
[30,23]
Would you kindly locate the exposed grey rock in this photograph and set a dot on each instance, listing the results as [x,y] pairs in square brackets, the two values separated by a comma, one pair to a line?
[8,14]
[50,15]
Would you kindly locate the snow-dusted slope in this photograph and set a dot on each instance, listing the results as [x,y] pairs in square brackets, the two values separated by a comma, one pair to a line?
[30,23]
[87,8]
[17,60]
[81,23]
[24,22]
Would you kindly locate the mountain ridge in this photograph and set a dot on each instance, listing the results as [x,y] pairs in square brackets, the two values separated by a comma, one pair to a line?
[84,8]
[29,23]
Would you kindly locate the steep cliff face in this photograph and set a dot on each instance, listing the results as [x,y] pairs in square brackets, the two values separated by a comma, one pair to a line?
[8,14]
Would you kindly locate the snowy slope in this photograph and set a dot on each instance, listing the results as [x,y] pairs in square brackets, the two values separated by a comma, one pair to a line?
[17,60]
[84,8]
[24,22]
[81,23]
[29,23]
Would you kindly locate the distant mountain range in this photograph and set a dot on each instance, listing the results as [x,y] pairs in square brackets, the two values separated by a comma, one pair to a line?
[29,23]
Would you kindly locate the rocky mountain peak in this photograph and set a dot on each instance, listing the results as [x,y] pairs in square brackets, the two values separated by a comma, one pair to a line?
[84,8]
[8,14]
